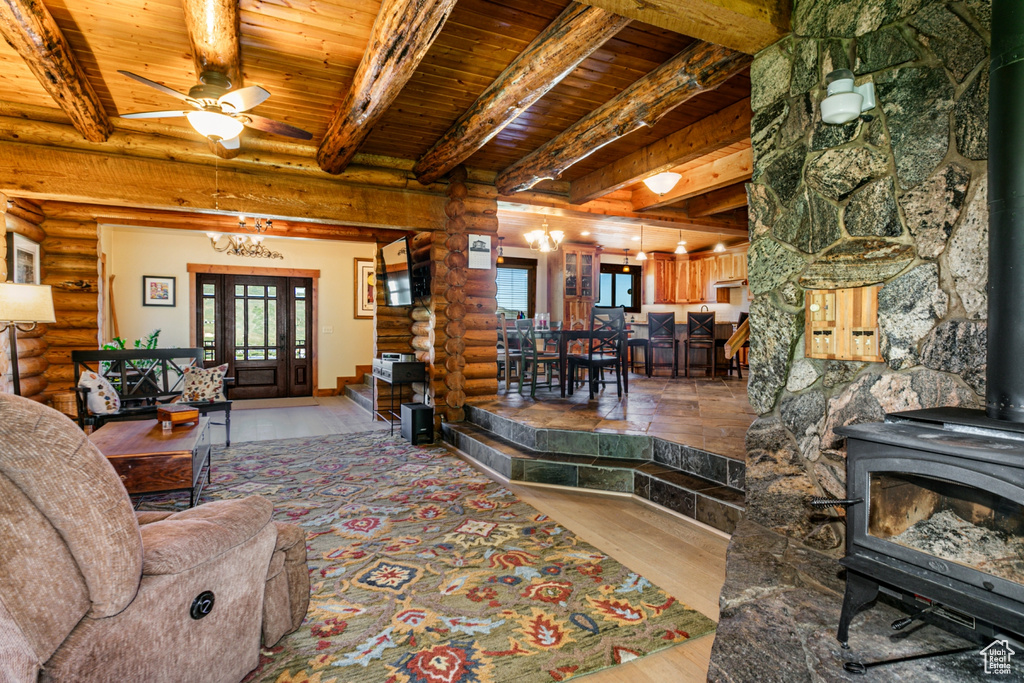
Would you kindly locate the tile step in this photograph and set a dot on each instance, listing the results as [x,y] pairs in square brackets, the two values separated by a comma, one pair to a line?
[698,498]
[693,461]
[361,394]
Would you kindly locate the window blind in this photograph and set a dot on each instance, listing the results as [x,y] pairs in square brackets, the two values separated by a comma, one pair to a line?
[514,289]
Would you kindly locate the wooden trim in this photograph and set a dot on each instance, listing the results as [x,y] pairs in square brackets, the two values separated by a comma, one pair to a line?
[31,30]
[194,268]
[251,270]
[745,25]
[725,127]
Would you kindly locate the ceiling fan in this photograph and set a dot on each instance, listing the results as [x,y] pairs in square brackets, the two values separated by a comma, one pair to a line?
[220,113]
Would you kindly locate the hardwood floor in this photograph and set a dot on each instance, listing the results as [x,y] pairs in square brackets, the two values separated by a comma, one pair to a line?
[685,559]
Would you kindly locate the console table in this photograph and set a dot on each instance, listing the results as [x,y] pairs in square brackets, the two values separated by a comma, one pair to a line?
[398,374]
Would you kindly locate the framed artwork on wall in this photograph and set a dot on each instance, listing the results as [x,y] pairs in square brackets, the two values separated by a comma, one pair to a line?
[365,286]
[22,259]
[158,290]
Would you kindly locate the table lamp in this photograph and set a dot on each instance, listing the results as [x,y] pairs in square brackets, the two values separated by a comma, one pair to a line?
[21,307]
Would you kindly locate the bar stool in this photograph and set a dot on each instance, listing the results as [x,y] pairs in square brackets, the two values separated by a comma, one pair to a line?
[700,335]
[663,336]
[635,344]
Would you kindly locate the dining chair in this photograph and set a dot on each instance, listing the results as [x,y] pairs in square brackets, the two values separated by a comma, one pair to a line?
[700,335]
[510,350]
[663,336]
[606,349]
[531,358]
[634,344]
[746,345]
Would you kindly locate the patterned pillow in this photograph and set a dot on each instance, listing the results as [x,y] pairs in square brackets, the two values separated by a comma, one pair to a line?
[204,384]
[101,399]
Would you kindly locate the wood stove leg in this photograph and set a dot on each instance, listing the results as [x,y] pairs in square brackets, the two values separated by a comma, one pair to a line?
[860,591]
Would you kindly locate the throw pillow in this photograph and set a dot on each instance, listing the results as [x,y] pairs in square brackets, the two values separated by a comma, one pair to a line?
[101,399]
[204,384]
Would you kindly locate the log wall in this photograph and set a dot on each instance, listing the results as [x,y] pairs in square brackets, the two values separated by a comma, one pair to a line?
[71,265]
[5,344]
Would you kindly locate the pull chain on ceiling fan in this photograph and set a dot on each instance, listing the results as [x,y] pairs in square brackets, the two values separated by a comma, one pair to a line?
[220,113]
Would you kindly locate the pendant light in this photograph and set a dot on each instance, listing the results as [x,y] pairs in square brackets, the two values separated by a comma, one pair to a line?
[625,262]
[719,247]
[681,245]
[641,256]
[663,182]
[501,252]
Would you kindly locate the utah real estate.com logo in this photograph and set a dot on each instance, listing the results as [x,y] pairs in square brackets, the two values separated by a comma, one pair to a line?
[998,656]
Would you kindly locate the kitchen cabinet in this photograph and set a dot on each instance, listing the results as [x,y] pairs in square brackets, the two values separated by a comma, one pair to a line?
[664,266]
[575,279]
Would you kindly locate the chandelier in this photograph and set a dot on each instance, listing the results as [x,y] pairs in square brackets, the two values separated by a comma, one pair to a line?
[542,240]
[250,246]
[258,226]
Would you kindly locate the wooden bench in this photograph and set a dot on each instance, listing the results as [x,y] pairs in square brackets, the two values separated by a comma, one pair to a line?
[143,379]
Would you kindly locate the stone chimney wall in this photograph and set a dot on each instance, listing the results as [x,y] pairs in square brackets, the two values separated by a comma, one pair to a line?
[899,200]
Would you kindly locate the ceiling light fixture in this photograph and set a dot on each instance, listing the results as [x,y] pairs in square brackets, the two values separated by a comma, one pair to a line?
[544,241]
[640,255]
[625,262]
[585,233]
[215,125]
[663,182]
[680,245]
[719,247]
[501,252]
[258,226]
[246,246]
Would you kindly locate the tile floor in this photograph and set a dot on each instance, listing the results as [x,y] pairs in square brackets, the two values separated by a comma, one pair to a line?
[707,413]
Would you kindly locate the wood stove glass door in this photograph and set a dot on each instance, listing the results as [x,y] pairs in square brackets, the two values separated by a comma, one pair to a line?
[950,521]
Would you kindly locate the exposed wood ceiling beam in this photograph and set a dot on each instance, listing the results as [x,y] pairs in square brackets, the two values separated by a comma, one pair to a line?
[213,31]
[745,25]
[718,201]
[567,41]
[402,33]
[208,222]
[698,68]
[31,30]
[39,172]
[713,132]
[735,168]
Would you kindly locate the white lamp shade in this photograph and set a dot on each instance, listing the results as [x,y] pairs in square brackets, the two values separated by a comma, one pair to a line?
[663,182]
[26,303]
[641,256]
[680,248]
[214,125]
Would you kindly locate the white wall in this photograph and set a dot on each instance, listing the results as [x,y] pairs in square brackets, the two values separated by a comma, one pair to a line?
[134,252]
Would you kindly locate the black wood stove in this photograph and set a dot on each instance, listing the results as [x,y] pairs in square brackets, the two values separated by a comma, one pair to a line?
[935,509]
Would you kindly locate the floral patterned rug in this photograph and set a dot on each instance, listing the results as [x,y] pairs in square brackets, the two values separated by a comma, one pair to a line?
[426,571]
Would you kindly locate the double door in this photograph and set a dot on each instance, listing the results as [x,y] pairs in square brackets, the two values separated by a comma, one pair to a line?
[262,328]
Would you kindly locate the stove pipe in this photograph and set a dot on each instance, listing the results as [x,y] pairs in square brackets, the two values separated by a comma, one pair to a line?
[1004,398]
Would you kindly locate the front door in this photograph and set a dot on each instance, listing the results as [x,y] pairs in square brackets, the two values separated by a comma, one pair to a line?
[261,327]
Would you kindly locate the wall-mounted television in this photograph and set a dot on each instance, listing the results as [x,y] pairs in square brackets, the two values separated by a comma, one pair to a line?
[402,281]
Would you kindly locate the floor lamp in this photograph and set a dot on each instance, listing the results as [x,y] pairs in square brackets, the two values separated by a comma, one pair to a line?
[21,307]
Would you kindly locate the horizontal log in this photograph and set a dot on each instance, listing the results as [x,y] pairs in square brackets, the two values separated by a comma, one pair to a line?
[19,225]
[476,304]
[454,363]
[33,365]
[480,370]
[385,324]
[75,301]
[456,414]
[29,348]
[71,229]
[421,254]
[72,319]
[84,339]
[420,314]
[23,208]
[421,344]
[57,355]
[37,332]
[72,282]
[481,321]
[482,387]
[480,354]
[454,346]
[70,263]
[482,288]
[60,373]
[454,380]
[393,347]
[33,387]
[455,398]
[479,337]
[422,328]
[65,245]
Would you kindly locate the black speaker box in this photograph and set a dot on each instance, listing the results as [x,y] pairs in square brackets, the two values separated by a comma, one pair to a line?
[417,423]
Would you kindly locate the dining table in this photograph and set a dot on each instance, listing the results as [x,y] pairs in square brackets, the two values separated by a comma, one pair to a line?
[565,337]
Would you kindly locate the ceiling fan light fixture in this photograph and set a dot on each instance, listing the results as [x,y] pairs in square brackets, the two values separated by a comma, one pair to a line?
[215,125]
[663,182]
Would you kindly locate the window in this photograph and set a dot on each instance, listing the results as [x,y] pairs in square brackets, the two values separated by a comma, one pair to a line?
[517,285]
[621,289]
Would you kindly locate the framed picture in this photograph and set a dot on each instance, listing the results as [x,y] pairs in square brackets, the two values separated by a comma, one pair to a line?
[158,290]
[479,252]
[22,259]
[365,285]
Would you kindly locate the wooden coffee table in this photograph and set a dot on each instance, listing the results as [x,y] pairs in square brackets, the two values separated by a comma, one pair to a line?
[149,460]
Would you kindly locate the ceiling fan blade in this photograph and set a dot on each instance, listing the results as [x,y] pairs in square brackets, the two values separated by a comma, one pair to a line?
[154,114]
[233,143]
[275,127]
[244,99]
[153,84]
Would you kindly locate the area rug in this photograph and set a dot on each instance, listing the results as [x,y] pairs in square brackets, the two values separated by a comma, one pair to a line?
[425,571]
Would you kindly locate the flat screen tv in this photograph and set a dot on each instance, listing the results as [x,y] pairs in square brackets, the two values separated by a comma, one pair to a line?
[397,273]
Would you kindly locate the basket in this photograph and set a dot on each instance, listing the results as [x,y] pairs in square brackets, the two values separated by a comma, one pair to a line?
[64,401]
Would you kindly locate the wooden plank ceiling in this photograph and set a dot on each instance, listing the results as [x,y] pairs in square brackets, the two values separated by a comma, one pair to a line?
[307,53]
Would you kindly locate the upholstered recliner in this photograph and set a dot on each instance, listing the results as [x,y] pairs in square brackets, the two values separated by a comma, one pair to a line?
[92,591]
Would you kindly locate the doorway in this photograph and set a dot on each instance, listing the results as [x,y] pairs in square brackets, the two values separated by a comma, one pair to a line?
[262,327]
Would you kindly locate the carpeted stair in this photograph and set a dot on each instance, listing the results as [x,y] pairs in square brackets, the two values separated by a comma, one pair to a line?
[692,482]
